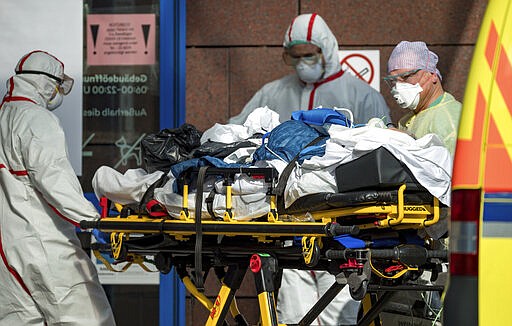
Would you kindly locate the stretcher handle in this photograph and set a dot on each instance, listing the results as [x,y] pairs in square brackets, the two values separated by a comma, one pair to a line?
[394,253]
[85,224]
[334,229]
[399,252]
[335,254]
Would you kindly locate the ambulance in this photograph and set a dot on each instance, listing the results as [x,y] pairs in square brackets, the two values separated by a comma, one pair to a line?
[479,290]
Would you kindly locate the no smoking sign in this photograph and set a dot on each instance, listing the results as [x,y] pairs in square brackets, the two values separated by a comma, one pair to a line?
[364,64]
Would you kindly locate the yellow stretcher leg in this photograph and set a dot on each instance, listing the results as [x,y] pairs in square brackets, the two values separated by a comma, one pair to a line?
[268,310]
[265,268]
[225,299]
[366,304]
[191,288]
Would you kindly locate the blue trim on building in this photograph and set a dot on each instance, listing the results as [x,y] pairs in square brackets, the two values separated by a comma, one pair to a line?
[172,63]
[172,115]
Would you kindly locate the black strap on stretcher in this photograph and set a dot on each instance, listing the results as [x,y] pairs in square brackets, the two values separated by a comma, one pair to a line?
[209,203]
[198,259]
[147,203]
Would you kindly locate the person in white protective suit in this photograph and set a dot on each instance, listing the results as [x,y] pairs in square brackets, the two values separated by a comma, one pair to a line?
[312,49]
[319,81]
[45,276]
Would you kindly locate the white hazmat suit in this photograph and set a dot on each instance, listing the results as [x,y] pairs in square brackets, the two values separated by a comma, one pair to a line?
[336,88]
[45,276]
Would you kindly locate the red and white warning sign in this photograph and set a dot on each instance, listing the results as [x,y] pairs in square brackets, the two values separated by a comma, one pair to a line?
[363,64]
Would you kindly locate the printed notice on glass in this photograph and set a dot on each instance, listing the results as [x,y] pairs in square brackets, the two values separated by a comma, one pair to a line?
[121,39]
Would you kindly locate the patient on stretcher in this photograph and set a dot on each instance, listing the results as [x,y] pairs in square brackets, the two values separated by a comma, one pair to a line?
[310,158]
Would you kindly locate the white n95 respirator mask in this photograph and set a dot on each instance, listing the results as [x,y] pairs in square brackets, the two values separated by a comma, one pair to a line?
[407,95]
[309,73]
[55,101]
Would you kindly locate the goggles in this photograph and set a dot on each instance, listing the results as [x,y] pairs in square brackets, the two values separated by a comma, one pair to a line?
[64,84]
[309,59]
[391,80]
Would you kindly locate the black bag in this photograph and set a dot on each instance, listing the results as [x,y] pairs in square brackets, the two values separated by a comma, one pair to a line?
[168,147]
[378,169]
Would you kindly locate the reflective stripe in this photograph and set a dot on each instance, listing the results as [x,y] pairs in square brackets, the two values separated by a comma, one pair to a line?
[497,230]
[463,237]
[497,210]
[497,215]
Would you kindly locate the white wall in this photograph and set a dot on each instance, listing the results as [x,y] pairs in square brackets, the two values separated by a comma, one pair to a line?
[54,26]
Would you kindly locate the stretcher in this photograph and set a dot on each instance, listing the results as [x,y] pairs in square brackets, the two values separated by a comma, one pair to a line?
[366,238]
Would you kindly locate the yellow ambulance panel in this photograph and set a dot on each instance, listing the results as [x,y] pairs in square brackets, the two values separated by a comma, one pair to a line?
[483,162]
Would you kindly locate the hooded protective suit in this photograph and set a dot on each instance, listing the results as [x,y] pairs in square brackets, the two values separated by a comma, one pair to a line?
[45,276]
[335,89]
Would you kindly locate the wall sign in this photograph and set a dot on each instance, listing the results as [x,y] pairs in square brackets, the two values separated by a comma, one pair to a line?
[364,64]
[121,39]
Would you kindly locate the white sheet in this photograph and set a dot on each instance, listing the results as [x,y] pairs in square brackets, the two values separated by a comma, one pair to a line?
[127,188]
[427,158]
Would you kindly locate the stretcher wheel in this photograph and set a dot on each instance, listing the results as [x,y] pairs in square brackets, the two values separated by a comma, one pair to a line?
[315,255]
[163,263]
[358,285]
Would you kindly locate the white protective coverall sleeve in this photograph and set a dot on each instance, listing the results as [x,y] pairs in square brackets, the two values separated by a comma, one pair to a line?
[46,278]
[336,89]
[49,168]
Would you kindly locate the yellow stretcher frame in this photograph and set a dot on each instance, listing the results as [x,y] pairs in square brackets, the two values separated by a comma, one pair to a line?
[393,216]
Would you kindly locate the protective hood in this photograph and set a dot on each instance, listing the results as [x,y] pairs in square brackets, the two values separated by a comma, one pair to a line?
[37,70]
[37,88]
[311,28]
